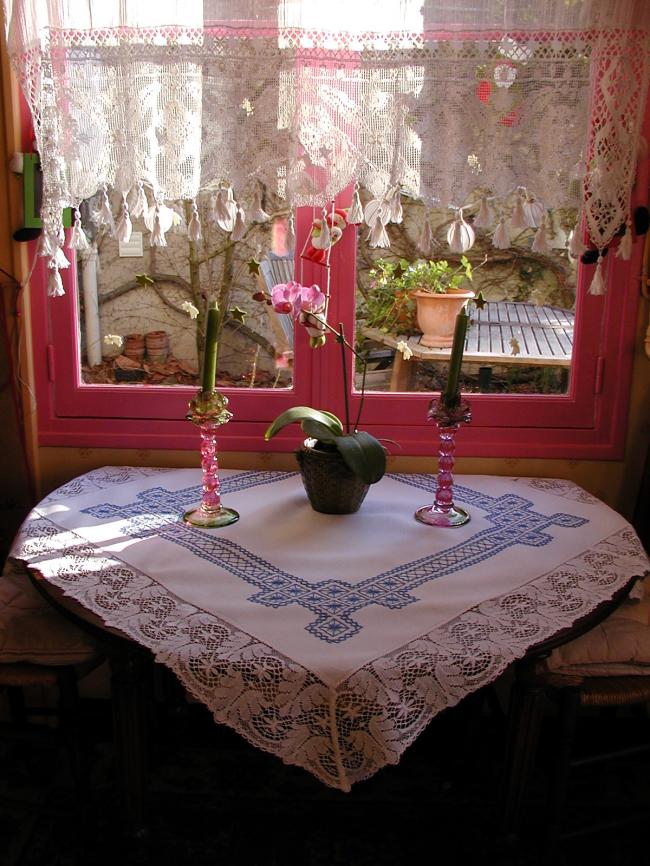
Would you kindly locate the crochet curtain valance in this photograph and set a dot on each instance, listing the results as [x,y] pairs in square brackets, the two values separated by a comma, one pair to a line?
[537,102]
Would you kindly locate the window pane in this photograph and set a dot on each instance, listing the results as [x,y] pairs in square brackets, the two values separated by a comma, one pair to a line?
[520,342]
[142,307]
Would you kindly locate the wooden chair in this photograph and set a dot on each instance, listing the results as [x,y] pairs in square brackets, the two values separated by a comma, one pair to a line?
[39,650]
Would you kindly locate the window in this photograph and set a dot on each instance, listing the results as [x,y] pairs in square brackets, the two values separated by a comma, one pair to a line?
[584,418]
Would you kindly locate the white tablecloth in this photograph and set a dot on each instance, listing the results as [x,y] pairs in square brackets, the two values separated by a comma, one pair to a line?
[330,641]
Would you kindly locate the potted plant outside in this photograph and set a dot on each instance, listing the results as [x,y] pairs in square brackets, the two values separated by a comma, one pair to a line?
[439,289]
[338,462]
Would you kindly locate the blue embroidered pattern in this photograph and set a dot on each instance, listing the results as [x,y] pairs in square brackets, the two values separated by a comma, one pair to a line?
[333,602]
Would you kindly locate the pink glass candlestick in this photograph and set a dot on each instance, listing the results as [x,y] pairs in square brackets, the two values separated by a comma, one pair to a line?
[208,410]
[443,512]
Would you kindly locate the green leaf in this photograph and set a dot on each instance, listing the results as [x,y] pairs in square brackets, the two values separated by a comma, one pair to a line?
[305,413]
[318,430]
[363,455]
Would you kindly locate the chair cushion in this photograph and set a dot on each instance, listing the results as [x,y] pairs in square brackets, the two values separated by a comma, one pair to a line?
[619,646]
[31,630]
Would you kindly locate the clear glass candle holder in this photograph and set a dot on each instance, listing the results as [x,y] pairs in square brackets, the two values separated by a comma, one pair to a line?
[209,410]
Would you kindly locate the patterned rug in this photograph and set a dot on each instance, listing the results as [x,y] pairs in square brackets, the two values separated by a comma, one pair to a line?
[215,800]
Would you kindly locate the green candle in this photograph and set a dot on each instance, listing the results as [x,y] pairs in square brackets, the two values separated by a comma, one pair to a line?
[210,348]
[452,393]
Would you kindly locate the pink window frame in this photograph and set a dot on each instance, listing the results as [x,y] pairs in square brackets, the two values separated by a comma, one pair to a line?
[588,422]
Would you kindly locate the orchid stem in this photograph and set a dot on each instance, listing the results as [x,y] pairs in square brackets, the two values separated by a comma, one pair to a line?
[345,377]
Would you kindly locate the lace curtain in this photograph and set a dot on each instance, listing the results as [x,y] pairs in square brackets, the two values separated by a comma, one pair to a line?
[537,103]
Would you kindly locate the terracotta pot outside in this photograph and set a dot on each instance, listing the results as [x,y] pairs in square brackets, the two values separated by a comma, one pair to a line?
[331,487]
[134,347]
[436,315]
[157,346]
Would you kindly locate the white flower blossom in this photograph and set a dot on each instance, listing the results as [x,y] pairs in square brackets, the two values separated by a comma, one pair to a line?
[405,349]
[113,340]
[190,309]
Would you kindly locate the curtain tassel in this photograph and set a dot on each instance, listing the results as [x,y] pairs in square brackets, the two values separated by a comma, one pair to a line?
[78,239]
[540,242]
[355,211]
[140,205]
[501,236]
[576,246]
[290,240]
[378,237]
[426,239]
[105,212]
[225,209]
[518,221]
[598,285]
[124,227]
[484,219]
[624,250]
[395,206]
[194,227]
[258,214]
[239,228]
[534,212]
[157,235]
[54,283]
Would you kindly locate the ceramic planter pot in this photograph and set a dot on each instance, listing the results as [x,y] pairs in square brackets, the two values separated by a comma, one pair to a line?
[331,487]
[436,315]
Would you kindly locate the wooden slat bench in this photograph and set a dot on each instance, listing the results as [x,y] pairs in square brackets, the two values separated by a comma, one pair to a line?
[544,338]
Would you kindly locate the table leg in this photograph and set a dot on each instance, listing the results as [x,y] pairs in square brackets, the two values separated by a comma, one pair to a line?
[521,746]
[401,377]
[128,683]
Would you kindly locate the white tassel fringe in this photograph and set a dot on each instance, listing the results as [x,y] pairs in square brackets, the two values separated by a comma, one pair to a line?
[501,237]
[355,211]
[239,229]
[598,285]
[378,237]
[624,250]
[484,219]
[460,235]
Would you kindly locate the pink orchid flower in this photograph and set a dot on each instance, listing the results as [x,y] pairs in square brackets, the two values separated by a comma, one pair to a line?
[286,297]
[313,300]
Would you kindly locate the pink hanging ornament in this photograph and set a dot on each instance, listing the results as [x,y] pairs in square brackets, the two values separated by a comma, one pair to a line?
[540,242]
[460,235]
[258,214]
[518,221]
[501,236]
[484,219]
[425,242]
[598,285]
[624,250]
[194,227]
[139,204]
[239,229]
[54,283]
[355,211]
[378,237]
[78,239]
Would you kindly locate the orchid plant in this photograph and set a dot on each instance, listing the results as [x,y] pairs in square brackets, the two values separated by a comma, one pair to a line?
[363,454]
